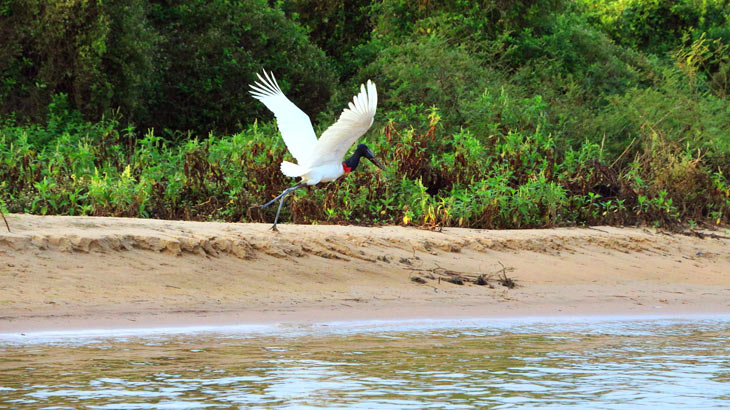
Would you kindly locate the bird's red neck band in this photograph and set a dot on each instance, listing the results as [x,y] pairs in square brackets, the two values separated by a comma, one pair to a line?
[346,168]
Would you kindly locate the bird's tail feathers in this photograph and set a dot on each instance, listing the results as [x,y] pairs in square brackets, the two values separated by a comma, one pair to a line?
[292,170]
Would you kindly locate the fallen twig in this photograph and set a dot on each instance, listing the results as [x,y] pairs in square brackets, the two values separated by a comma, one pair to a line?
[456,280]
[459,278]
[504,280]
[703,235]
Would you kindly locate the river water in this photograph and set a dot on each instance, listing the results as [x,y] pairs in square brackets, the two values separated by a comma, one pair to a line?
[607,363]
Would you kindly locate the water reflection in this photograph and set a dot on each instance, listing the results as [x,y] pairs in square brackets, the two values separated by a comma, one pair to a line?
[589,365]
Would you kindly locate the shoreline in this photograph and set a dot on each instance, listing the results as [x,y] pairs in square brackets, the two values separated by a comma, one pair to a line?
[325,315]
[513,323]
[74,273]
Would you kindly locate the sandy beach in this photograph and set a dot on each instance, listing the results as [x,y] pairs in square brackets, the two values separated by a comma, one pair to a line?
[85,272]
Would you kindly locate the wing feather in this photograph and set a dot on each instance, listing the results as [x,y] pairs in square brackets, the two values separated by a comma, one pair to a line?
[295,126]
[353,123]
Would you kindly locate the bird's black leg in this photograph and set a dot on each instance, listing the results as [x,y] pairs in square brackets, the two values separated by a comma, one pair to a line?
[281,202]
[283,193]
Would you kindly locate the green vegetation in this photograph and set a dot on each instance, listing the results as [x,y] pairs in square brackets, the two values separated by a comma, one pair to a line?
[492,114]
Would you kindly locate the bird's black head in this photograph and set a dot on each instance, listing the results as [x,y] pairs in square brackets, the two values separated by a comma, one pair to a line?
[365,151]
[362,150]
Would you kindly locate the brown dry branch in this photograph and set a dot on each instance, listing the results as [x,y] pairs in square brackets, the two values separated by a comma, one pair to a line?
[703,235]
[459,278]
[504,280]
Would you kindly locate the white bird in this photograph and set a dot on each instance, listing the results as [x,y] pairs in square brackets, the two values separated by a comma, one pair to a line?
[318,160]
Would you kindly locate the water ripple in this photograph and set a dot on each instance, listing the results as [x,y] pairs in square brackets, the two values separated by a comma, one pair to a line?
[614,365]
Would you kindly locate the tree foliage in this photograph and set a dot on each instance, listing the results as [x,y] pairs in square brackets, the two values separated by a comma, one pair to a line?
[177,65]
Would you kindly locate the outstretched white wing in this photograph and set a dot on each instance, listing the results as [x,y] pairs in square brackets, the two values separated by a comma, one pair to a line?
[354,122]
[295,127]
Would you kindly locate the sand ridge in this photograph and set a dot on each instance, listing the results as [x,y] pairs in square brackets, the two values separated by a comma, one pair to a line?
[86,271]
[245,241]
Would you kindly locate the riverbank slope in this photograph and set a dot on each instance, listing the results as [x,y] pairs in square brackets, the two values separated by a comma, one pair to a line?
[85,272]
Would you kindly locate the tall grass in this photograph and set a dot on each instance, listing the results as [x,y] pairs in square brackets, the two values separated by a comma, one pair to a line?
[432,178]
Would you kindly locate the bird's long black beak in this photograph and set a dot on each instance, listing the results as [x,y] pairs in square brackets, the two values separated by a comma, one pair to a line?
[377,162]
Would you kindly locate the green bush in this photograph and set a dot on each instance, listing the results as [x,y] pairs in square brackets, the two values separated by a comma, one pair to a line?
[659,26]
[179,65]
[433,178]
[467,22]
[430,72]
[210,53]
[338,27]
[49,48]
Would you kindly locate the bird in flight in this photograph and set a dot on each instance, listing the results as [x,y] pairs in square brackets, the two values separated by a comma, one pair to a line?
[318,160]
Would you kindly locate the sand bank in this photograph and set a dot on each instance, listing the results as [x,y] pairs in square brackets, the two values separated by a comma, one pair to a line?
[85,272]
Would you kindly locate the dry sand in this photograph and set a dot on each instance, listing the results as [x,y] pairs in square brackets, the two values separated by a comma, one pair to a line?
[84,272]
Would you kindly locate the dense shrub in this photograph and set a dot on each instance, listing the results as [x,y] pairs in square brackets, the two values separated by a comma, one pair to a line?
[430,72]
[53,47]
[432,178]
[659,26]
[179,65]
[338,27]
[696,32]
[464,21]
[210,53]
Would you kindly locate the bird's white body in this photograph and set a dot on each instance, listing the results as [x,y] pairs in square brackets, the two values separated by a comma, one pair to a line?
[312,176]
[318,160]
